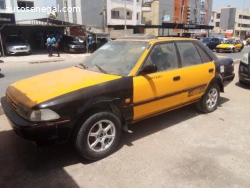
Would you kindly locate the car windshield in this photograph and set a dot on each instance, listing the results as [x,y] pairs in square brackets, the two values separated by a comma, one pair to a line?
[116,57]
[14,39]
[228,42]
[205,39]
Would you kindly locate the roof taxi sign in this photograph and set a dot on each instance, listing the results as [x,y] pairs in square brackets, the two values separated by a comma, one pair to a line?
[7,18]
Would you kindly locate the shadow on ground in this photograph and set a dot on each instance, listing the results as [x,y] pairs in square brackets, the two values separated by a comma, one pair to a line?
[244,86]
[20,161]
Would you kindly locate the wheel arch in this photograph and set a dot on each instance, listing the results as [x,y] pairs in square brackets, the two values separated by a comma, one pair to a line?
[218,80]
[98,106]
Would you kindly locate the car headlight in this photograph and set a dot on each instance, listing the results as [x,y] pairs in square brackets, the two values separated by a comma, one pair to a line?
[36,115]
[11,48]
[244,59]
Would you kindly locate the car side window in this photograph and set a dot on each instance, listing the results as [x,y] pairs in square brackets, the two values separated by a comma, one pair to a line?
[204,56]
[189,54]
[164,57]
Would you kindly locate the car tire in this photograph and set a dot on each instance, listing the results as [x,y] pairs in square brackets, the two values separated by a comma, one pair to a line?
[209,101]
[98,135]
[242,82]
[65,49]
[217,51]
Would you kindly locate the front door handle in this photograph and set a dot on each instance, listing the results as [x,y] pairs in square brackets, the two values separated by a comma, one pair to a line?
[176,78]
[211,70]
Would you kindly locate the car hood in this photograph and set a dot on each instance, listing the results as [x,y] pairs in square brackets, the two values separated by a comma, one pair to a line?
[75,42]
[37,89]
[225,45]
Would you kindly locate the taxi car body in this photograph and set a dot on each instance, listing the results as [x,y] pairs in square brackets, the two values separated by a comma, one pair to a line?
[244,69]
[123,82]
[230,45]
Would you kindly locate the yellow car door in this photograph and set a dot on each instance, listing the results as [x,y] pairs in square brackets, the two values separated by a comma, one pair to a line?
[198,69]
[160,91]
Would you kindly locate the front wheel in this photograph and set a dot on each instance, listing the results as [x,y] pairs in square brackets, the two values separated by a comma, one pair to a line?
[209,101]
[98,135]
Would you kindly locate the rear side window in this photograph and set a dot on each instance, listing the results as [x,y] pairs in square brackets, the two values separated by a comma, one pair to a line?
[204,56]
[189,54]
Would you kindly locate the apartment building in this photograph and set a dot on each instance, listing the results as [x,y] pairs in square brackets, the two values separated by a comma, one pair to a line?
[191,13]
[102,13]
[20,9]
[234,19]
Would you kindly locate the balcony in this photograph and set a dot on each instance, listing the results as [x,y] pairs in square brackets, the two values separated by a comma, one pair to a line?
[121,18]
[146,9]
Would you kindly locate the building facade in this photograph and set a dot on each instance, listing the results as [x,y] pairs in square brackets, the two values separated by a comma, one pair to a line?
[102,13]
[22,9]
[191,12]
[234,20]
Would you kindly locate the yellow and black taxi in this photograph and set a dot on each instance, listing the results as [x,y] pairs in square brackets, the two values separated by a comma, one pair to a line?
[230,45]
[124,81]
[244,69]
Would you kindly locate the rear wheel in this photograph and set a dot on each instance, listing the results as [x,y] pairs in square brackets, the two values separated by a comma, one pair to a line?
[98,135]
[209,101]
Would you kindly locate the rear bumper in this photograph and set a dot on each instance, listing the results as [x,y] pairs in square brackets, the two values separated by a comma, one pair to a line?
[228,79]
[245,78]
[40,134]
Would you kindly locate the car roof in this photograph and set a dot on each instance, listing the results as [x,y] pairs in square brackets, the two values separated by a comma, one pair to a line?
[156,39]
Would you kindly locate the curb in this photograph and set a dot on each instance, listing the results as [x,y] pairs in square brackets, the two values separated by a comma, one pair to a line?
[237,61]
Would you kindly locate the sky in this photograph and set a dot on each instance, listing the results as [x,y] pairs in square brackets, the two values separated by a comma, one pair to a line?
[50,3]
[217,4]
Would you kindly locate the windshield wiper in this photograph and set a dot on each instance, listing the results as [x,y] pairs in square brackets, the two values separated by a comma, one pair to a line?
[103,71]
[84,66]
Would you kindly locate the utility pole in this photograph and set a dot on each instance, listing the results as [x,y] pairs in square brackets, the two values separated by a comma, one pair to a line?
[182,21]
[125,17]
[241,17]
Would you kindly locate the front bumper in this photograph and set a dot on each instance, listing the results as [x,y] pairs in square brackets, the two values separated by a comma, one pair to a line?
[14,52]
[244,72]
[40,134]
[223,49]
[76,49]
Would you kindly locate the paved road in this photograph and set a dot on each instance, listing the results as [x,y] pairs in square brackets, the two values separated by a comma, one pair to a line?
[182,148]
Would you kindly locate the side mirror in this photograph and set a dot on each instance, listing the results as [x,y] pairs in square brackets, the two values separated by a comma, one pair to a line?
[148,69]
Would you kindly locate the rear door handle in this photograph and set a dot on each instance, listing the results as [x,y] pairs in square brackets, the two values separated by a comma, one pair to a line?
[211,70]
[176,78]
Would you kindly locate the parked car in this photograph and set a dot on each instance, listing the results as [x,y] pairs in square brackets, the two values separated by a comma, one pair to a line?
[211,43]
[15,44]
[97,43]
[230,45]
[244,69]
[71,44]
[123,82]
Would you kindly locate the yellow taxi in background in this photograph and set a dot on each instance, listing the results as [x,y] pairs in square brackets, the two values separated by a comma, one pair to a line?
[230,45]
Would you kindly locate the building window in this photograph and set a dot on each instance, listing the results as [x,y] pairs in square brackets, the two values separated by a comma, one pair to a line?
[218,15]
[2,4]
[128,13]
[137,16]
[114,14]
[25,4]
[217,24]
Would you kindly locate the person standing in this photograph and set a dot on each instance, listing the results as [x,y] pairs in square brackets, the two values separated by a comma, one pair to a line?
[54,45]
[48,44]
